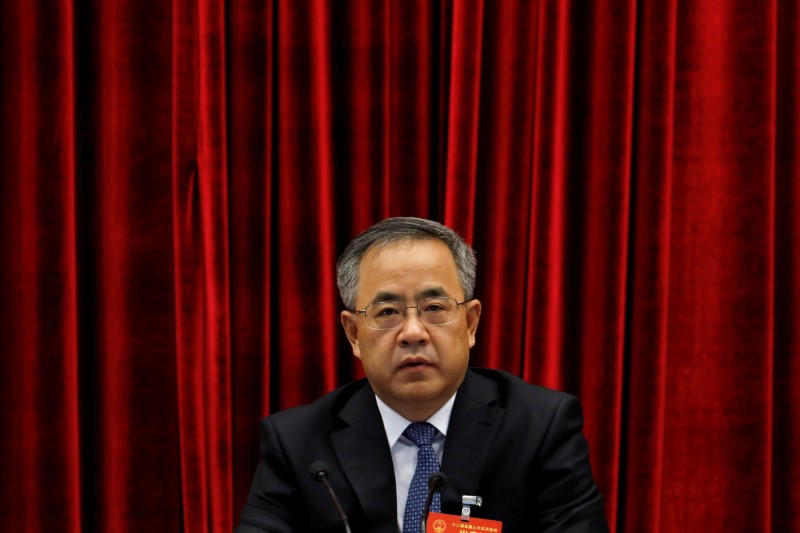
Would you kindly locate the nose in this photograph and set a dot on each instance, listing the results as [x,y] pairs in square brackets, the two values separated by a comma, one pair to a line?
[413,330]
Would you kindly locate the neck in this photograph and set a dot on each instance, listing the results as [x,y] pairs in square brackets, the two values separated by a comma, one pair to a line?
[416,411]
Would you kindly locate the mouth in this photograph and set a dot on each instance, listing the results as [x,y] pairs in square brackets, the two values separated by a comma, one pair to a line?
[414,363]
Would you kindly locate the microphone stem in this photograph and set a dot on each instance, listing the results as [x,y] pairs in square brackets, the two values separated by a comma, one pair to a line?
[324,479]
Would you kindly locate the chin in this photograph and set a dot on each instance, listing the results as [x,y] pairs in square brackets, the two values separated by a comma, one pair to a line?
[421,391]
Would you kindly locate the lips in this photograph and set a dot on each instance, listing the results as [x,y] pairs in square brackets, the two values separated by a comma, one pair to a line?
[414,362]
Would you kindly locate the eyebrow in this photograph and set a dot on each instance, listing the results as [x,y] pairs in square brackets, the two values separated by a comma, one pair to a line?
[432,293]
[385,296]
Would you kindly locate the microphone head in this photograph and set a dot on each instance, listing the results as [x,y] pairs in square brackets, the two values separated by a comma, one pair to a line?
[436,480]
[318,470]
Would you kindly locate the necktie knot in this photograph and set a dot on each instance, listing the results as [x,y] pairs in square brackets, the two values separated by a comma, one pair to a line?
[420,433]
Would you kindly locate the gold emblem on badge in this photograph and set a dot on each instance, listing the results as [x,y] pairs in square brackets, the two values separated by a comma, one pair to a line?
[439,526]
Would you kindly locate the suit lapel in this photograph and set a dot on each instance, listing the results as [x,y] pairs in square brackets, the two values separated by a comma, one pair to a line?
[474,423]
[364,455]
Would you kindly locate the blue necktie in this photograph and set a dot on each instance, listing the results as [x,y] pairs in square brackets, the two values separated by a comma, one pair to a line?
[421,434]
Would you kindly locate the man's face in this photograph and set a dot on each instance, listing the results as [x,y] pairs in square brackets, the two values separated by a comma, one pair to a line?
[417,367]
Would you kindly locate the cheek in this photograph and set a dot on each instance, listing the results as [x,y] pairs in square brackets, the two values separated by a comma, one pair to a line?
[376,350]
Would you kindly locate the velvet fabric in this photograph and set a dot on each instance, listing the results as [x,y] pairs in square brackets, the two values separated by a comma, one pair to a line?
[178,178]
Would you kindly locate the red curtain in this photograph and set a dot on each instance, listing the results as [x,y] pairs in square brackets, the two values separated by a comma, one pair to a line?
[179,178]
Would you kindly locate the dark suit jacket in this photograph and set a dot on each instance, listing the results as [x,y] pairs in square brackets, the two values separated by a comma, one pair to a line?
[518,446]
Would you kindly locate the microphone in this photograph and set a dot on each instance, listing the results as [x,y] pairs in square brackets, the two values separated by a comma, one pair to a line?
[435,482]
[319,471]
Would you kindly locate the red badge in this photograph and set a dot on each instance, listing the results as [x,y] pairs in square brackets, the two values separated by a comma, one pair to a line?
[448,523]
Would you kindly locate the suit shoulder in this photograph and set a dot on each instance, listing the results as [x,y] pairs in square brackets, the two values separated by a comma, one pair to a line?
[321,414]
[511,389]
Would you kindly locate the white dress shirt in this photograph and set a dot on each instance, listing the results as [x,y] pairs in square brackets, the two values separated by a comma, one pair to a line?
[404,452]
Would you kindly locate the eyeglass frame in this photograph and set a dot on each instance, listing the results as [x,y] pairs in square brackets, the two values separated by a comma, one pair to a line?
[363,312]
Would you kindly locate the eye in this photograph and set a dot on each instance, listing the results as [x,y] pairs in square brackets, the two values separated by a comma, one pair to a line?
[434,307]
[385,310]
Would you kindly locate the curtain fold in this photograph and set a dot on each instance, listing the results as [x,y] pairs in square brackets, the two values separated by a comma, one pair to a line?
[250,122]
[720,355]
[643,420]
[463,114]
[39,273]
[178,180]
[785,467]
[201,247]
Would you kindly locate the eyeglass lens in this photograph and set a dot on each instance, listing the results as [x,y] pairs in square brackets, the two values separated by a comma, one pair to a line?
[432,311]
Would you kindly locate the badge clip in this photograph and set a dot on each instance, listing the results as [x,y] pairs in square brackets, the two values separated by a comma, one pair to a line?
[466,505]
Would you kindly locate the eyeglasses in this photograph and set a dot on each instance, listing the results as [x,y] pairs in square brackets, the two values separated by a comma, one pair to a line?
[437,311]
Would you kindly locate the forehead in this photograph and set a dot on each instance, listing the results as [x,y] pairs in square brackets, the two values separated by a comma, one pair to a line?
[408,267]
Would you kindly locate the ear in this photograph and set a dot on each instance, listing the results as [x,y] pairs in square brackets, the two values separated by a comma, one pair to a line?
[351,330]
[473,317]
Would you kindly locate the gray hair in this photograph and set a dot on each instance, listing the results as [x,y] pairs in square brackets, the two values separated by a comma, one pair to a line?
[398,229]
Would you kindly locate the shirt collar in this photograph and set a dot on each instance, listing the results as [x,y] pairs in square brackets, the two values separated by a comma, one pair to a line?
[395,424]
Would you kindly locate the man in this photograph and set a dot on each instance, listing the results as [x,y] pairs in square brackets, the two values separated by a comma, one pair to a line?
[407,284]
